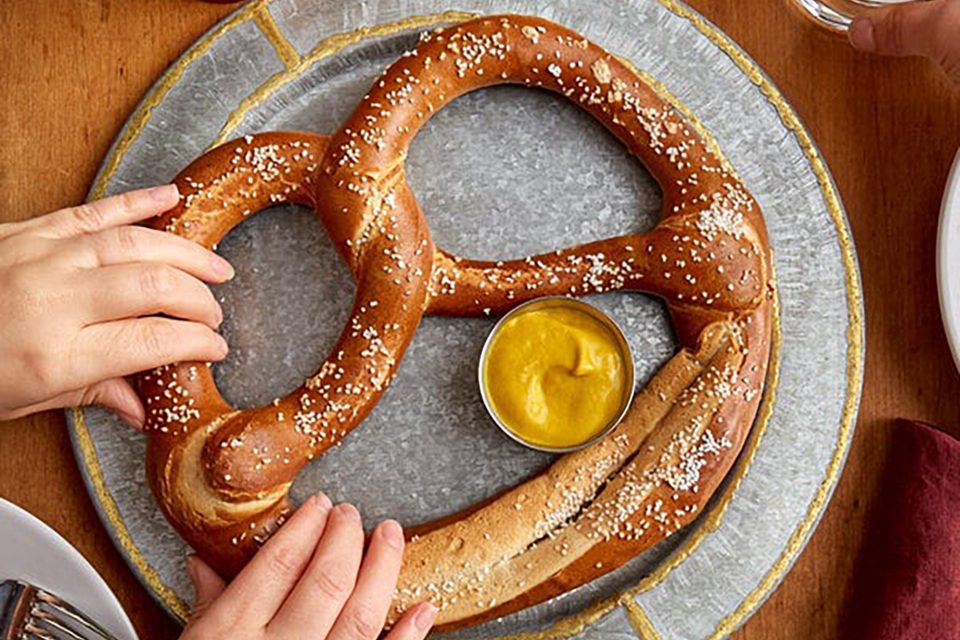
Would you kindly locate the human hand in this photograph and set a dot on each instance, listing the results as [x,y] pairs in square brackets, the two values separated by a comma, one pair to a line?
[75,286]
[310,580]
[930,29]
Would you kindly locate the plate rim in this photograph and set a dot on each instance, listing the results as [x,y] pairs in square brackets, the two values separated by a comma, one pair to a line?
[856,325]
[52,538]
[949,304]
[258,11]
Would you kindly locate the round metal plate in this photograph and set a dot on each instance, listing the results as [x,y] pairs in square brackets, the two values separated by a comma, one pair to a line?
[502,173]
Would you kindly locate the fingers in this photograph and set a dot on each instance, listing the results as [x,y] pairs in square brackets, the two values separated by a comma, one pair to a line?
[207,585]
[125,244]
[308,570]
[922,28]
[365,612]
[263,585]
[142,289]
[415,623]
[124,347]
[315,603]
[123,209]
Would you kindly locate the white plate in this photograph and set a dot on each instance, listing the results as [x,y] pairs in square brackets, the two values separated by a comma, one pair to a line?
[33,552]
[948,260]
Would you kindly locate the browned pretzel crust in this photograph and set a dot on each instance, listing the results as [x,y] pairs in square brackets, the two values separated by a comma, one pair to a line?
[222,475]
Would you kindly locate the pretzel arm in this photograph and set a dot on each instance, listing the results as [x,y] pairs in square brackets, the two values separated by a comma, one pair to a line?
[657,262]
[602,493]
[239,178]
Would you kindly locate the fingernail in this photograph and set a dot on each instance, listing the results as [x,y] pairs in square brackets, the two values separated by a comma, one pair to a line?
[392,533]
[425,617]
[323,502]
[222,345]
[163,194]
[349,511]
[861,34]
[134,421]
[222,268]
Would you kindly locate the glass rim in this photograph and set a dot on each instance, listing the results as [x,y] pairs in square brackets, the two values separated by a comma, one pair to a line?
[835,19]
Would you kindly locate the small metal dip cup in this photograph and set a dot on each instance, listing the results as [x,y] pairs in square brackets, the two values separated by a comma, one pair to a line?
[547,302]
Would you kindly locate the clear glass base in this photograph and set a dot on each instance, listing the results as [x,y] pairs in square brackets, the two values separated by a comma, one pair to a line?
[838,14]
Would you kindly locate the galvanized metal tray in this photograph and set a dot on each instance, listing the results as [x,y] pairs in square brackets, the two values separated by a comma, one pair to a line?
[501,173]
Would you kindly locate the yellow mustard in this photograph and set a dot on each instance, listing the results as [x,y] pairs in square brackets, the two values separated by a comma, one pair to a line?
[555,376]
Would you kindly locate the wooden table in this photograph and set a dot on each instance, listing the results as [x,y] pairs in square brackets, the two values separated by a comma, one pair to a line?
[72,71]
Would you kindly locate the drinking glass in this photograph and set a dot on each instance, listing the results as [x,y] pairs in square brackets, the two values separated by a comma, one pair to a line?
[838,14]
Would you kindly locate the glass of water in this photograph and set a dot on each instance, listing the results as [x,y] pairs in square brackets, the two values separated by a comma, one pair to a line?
[838,14]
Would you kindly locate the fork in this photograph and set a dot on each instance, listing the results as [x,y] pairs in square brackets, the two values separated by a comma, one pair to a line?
[28,612]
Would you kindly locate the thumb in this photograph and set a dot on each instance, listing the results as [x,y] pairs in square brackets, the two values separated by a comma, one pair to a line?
[118,396]
[207,585]
[114,394]
[930,29]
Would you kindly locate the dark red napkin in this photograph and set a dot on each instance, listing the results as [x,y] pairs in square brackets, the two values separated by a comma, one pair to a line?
[907,581]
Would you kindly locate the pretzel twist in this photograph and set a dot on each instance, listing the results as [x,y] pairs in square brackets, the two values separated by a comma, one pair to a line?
[222,475]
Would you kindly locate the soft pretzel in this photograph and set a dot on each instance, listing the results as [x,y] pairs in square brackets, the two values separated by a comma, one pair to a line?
[221,475]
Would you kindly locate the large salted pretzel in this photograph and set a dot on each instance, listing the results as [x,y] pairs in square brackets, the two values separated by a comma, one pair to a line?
[221,475]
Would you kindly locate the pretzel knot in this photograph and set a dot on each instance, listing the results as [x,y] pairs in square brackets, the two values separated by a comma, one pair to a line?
[222,475]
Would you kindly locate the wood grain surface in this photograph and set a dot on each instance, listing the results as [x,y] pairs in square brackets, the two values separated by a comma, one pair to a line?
[72,70]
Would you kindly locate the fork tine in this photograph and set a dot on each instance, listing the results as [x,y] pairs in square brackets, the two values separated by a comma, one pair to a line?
[30,613]
[80,621]
[55,630]
[33,632]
